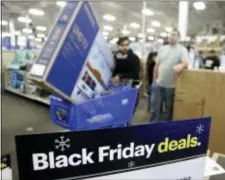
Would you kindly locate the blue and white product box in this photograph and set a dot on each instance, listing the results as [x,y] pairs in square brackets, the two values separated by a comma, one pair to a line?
[75,62]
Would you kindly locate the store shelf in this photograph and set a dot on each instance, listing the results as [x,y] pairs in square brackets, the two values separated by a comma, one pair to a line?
[29,96]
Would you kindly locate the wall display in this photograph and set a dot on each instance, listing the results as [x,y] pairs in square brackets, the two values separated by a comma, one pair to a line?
[75,62]
[174,150]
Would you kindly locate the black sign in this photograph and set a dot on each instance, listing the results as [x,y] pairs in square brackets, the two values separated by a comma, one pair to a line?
[87,153]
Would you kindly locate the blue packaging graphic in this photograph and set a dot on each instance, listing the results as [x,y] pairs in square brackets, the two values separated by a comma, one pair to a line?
[75,62]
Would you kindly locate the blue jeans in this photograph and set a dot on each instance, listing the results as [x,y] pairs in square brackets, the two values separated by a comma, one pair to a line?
[161,96]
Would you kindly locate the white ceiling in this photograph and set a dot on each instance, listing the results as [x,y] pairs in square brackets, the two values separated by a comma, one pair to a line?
[125,12]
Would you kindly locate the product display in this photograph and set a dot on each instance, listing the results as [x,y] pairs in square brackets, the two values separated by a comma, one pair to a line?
[78,66]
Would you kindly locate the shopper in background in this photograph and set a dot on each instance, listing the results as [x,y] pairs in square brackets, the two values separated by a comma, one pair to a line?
[212,61]
[200,58]
[149,73]
[172,59]
[127,63]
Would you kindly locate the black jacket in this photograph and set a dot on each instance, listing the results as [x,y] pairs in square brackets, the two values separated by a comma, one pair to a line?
[211,62]
[127,66]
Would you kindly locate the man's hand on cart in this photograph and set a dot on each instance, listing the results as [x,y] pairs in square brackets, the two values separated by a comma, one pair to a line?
[115,79]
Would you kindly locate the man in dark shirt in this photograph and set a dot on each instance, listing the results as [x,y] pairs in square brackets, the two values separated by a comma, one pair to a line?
[127,65]
[211,61]
[127,62]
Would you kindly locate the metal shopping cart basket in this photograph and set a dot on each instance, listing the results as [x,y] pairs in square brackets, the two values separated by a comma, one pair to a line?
[113,109]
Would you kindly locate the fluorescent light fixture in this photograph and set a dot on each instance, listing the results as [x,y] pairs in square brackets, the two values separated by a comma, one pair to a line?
[37,12]
[4,23]
[156,24]
[147,12]
[24,19]
[142,40]
[109,17]
[168,29]
[125,32]
[135,25]
[5,34]
[163,34]
[151,38]
[27,30]
[132,38]
[41,35]
[105,33]
[160,40]
[38,39]
[31,37]
[61,3]
[106,37]
[115,39]
[150,30]
[140,35]
[17,33]
[108,28]
[199,5]
[113,42]
[41,28]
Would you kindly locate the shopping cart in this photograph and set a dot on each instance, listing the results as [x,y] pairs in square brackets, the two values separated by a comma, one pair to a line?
[113,109]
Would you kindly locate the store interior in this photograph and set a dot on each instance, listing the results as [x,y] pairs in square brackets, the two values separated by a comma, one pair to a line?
[27,25]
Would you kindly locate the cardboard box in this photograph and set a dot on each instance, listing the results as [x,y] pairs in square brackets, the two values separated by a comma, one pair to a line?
[75,61]
[199,94]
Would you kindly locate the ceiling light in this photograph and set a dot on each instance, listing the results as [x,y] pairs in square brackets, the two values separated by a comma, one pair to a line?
[113,42]
[105,33]
[150,30]
[37,12]
[31,37]
[135,25]
[24,19]
[40,35]
[109,17]
[17,33]
[151,38]
[27,30]
[41,28]
[115,39]
[38,39]
[160,40]
[163,34]
[132,38]
[140,35]
[147,12]
[105,37]
[4,23]
[156,24]
[168,29]
[61,3]
[125,32]
[108,28]
[5,34]
[199,5]
[142,40]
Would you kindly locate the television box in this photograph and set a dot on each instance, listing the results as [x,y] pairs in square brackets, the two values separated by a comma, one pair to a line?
[75,62]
